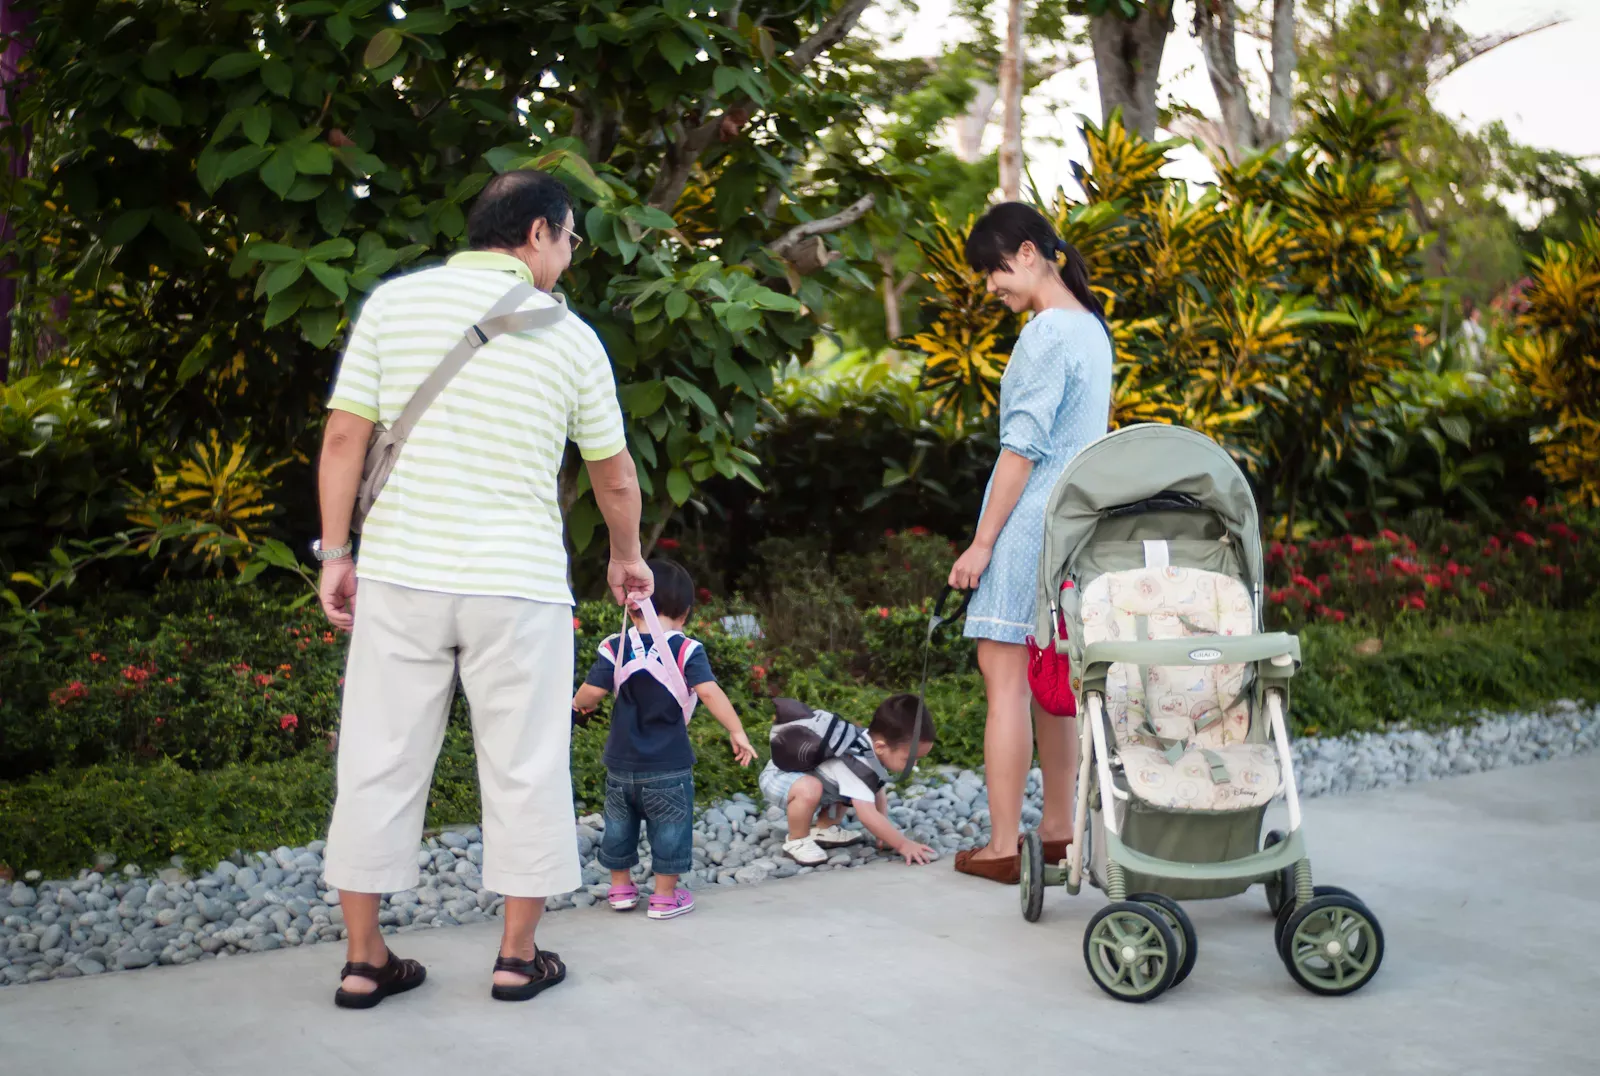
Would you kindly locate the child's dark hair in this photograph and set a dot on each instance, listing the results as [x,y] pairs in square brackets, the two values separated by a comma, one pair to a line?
[1000,233]
[895,718]
[674,595]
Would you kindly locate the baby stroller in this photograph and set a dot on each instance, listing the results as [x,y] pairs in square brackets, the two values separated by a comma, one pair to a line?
[1151,582]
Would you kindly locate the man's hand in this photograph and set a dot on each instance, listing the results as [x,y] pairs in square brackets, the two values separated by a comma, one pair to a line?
[630,581]
[337,590]
[971,565]
[743,753]
[914,853]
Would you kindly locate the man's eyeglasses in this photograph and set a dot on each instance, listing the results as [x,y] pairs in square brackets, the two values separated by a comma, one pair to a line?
[573,238]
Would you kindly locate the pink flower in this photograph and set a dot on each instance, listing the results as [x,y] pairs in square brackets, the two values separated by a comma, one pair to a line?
[288,721]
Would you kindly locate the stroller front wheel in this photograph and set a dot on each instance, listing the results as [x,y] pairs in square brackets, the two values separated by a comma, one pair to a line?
[1182,929]
[1332,945]
[1131,952]
[1030,889]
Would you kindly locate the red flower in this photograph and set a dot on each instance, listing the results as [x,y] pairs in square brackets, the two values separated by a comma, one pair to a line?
[1485,588]
[135,675]
[1531,504]
[169,679]
[262,679]
[703,594]
[1275,551]
[1493,547]
[1444,549]
[1525,539]
[241,668]
[341,681]
[577,625]
[98,658]
[1432,579]
[1338,616]
[758,673]
[71,693]
[1360,545]
[1301,580]
[1275,597]
[889,533]
[1551,570]
[1388,535]
[883,613]
[288,721]
[1452,569]
[327,636]
[160,721]
[920,532]
[669,544]
[1561,530]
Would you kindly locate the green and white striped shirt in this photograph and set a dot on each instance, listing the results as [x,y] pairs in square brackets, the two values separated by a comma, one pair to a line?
[472,504]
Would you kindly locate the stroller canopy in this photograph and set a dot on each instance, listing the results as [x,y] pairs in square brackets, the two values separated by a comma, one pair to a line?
[1134,464]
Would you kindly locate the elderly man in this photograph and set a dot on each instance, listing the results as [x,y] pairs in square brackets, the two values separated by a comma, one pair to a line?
[463,568]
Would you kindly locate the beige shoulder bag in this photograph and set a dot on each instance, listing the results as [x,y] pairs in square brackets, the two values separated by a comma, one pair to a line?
[383,450]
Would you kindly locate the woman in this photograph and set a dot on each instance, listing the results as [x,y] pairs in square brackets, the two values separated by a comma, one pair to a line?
[1055,397]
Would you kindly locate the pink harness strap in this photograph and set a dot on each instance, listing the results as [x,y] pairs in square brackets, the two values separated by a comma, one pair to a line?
[666,672]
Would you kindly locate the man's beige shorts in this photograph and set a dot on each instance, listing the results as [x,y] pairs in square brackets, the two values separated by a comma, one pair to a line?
[515,659]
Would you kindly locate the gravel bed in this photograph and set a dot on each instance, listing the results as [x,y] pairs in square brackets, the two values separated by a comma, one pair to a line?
[123,919]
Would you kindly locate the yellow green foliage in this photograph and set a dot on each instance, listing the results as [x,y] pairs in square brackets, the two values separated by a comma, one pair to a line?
[1267,310]
[220,489]
[1557,359]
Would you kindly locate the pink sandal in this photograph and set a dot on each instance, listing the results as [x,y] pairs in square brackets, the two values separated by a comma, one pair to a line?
[671,905]
[623,898]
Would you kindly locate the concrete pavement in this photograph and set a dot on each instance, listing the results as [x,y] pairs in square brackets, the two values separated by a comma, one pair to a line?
[1488,888]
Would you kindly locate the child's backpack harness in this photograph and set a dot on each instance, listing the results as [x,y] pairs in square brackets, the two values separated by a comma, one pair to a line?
[665,671]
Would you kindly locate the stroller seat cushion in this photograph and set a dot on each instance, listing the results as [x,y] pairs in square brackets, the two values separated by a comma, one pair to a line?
[1229,778]
[1200,705]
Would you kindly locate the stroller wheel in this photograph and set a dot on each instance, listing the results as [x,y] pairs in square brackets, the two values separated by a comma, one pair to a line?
[1332,945]
[1280,888]
[1131,952]
[1030,889]
[1288,909]
[1182,929]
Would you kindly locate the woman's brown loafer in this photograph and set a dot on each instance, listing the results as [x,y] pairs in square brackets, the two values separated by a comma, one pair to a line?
[1007,870]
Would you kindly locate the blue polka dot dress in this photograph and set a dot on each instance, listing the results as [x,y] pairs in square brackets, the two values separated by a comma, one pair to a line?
[1055,398]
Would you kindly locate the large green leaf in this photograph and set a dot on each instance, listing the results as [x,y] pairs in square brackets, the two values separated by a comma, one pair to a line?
[382,48]
[679,488]
[313,159]
[278,173]
[234,64]
[282,276]
[331,277]
[127,227]
[676,50]
[642,399]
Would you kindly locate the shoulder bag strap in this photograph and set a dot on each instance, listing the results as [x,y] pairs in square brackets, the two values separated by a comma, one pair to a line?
[502,317]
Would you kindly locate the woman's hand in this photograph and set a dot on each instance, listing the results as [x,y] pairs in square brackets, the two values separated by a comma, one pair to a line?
[970,566]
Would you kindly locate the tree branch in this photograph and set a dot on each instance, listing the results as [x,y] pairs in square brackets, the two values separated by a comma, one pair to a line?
[1459,57]
[785,244]
[829,34]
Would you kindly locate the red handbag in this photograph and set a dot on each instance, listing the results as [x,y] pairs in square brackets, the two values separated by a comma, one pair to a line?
[1050,673]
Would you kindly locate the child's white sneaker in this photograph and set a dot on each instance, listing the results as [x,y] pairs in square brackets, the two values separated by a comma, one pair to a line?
[805,852]
[835,836]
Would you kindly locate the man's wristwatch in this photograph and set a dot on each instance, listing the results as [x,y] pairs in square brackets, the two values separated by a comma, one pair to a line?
[332,554]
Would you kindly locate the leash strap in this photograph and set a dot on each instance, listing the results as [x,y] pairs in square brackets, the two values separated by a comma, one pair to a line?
[935,619]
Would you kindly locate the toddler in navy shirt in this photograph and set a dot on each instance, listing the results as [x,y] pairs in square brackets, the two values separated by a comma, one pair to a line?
[649,761]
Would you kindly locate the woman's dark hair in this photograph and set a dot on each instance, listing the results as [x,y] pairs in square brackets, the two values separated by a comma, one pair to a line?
[674,594]
[1000,233]
[505,212]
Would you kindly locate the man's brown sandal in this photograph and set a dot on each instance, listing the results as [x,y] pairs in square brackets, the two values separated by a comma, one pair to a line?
[396,976]
[543,971]
[1007,870]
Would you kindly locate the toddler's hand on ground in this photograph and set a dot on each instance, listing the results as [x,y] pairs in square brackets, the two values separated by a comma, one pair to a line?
[916,854]
[743,753]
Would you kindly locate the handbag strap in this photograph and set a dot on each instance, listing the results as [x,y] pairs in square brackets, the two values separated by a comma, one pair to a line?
[502,317]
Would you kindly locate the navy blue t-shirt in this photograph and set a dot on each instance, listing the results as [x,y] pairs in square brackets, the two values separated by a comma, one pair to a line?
[648,734]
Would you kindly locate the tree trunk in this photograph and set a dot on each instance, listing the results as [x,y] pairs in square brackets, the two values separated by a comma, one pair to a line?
[12,22]
[1215,22]
[1127,62]
[971,126]
[1280,105]
[1011,103]
[893,292]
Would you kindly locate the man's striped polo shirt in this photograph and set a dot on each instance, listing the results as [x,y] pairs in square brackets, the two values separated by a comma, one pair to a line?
[472,505]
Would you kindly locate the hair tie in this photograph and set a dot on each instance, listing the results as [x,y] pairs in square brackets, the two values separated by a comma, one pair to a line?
[1062,248]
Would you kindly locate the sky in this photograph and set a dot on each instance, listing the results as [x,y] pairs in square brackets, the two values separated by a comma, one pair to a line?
[1543,87]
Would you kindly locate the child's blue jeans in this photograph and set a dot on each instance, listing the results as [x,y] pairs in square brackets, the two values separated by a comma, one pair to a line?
[664,802]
